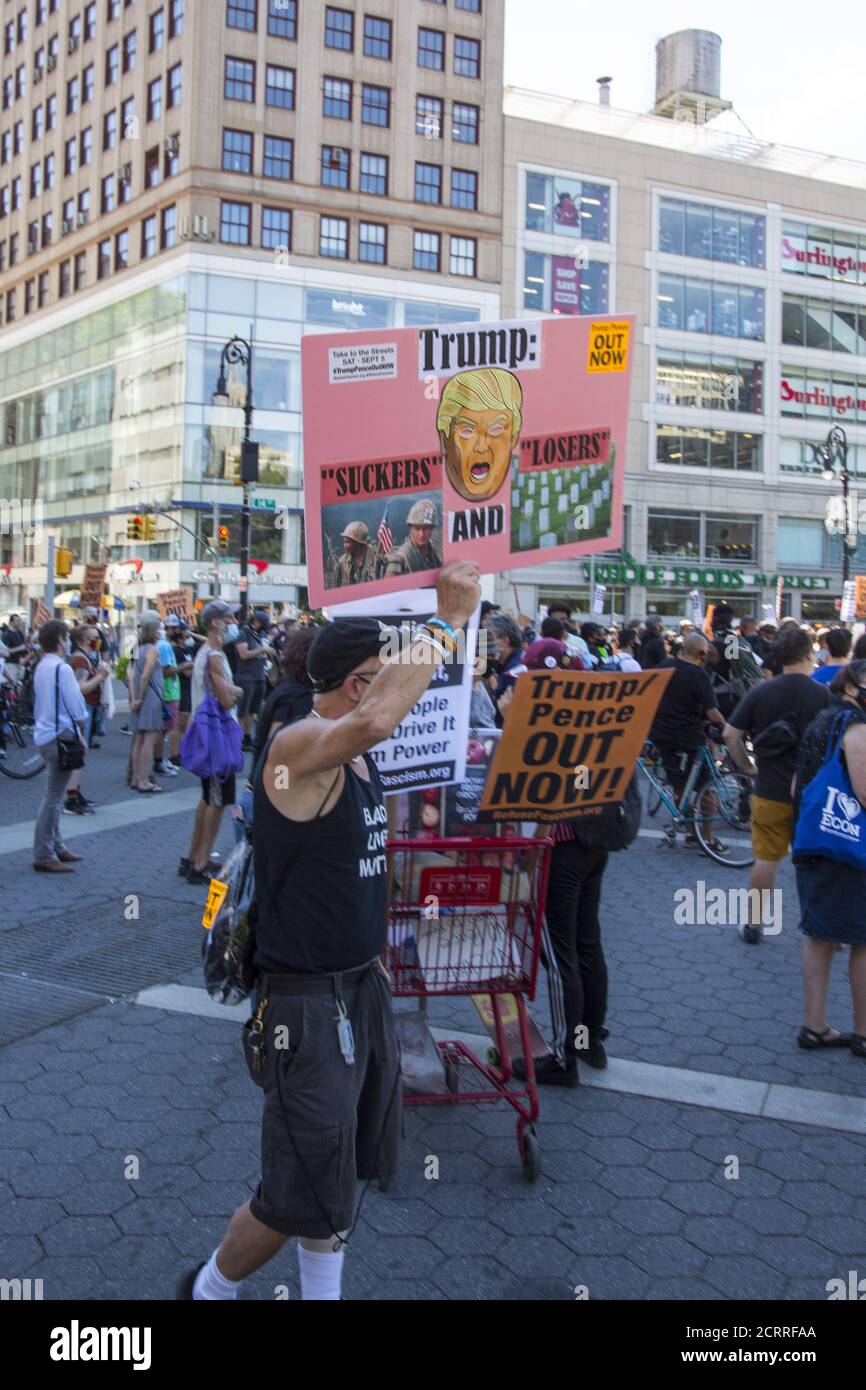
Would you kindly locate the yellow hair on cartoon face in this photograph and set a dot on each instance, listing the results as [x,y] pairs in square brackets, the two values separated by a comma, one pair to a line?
[485,388]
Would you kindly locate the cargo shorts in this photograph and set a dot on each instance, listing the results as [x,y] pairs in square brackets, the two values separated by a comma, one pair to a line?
[326,1124]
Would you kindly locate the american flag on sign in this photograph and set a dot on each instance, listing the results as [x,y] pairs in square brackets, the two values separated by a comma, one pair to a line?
[383,535]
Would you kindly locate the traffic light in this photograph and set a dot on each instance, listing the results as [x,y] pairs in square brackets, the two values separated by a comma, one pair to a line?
[148,532]
[134,528]
[224,537]
[63,562]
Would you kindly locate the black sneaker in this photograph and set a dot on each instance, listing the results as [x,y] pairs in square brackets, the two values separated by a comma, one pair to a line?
[186,1283]
[595,1055]
[751,935]
[183,867]
[157,770]
[548,1071]
[198,876]
[94,745]
[74,807]
[85,800]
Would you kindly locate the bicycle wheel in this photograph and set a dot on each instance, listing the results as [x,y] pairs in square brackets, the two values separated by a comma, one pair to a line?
[723,818]
[20,758]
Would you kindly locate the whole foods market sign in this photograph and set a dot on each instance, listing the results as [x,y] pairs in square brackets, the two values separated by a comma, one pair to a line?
[628,571]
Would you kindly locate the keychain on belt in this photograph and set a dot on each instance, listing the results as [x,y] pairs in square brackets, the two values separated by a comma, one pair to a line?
[345,1037]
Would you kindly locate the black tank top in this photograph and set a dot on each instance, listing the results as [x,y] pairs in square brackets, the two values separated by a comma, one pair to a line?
[332,903]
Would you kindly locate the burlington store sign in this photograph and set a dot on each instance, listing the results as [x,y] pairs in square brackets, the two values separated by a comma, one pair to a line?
[627,571]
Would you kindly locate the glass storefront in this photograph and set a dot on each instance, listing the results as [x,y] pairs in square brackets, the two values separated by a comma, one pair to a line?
[97,404]
[711,233]
[709,383]
[119,403]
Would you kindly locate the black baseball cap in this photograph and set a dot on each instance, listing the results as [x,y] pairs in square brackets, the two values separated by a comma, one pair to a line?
[341,646]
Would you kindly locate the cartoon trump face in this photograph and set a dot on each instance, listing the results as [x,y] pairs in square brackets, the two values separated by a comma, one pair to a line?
[479,419]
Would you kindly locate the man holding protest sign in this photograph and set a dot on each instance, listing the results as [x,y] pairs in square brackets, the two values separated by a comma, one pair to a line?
[325,1049]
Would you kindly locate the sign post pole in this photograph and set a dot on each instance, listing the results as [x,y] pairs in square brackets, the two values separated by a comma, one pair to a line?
[49,586]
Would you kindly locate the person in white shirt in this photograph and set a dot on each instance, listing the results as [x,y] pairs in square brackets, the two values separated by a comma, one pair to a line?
[59,708]
[624,645]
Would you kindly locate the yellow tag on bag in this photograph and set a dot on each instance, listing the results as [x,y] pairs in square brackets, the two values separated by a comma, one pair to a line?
[215,899]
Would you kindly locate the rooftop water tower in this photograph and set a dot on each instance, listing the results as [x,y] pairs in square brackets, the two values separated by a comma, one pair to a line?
[688,74]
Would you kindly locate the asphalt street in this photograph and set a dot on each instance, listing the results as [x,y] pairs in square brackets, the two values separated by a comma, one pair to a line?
[713,1159]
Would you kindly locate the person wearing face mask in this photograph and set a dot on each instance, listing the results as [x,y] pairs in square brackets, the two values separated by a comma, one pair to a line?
[251,657]
[171,702]
[91,674]
[59,708]
[211,672]
[145,705]
[184,646]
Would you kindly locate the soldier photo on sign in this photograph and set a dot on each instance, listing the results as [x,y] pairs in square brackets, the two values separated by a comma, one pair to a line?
[372,538]
[357,564]
[417,551]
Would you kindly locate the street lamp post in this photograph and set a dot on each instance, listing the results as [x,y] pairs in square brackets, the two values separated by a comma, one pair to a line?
[239,351]
[834,451]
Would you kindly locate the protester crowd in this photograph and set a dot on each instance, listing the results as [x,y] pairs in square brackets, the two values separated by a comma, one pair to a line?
[788,702]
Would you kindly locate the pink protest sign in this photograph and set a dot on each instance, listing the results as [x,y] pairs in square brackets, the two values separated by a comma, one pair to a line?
[503,443]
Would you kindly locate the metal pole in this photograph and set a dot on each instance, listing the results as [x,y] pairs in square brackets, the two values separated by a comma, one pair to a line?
[846,554]
[49,586]
[591,586]
[214,584]
[245,506]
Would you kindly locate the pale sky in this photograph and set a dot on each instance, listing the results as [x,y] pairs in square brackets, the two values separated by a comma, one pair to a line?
[794,69]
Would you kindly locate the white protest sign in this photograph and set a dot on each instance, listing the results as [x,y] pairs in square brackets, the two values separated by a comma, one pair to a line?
[428,749]
[697,608]
[598,600]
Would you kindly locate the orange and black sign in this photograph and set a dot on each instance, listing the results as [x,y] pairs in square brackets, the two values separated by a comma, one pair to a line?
[570,742]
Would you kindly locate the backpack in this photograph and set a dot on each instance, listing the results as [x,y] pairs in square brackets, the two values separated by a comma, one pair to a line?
[744,670]
[614,827]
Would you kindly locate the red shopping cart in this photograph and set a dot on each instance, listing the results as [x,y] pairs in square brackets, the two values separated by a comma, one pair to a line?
[465,919]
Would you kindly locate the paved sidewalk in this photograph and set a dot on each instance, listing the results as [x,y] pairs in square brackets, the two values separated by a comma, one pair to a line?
[633,1202]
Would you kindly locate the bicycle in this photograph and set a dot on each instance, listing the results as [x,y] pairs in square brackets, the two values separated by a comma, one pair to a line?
[20,758]
[715,795]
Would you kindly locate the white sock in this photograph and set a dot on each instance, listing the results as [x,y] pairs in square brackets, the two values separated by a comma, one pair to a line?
[210,1284]
[321,1274]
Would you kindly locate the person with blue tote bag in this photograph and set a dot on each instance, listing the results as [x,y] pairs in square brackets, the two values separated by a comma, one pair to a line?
[829,855]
